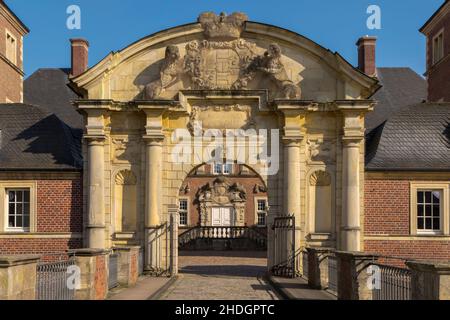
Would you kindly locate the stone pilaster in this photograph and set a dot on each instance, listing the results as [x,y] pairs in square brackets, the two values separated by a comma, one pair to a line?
[18,277]
[430,280]
[93,264]
[353,278]
[174,221]
[128,272]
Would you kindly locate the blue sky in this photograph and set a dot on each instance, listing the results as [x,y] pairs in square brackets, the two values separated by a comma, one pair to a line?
[110,25]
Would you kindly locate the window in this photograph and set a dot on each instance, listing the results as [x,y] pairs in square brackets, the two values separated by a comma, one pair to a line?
[18,209]
[225,169]
[11,48]
[183,212]
[261,212]
[430,208]
[428,211]
[438,47]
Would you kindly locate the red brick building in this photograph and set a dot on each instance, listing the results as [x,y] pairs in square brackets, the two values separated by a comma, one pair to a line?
[11,55]
[437,31]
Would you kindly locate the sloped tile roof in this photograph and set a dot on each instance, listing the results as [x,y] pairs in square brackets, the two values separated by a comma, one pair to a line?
[34,139]
[415,138]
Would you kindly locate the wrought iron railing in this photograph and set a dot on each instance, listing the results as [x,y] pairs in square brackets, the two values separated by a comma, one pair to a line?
[227,233]
[393,283]
[332,274]
[113,265]
[53,279]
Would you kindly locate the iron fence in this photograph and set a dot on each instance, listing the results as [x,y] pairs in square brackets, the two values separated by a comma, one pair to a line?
[53,281]
[393,283]
[332,274]
[113,265]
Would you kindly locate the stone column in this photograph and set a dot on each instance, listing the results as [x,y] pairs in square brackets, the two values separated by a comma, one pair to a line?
[153,192]
[429,280]
[353,278]
[18,277]
[292,187]
[351,225]
[95,206]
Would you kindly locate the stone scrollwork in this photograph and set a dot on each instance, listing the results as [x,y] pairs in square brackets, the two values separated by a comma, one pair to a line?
[270,65]
[320,150]
[169,74]
[125,149]
[223,26]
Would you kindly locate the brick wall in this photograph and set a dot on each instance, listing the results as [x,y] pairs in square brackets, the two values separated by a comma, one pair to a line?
[387,215]
[438,78]
[60,211]
[59,206]
[387,207]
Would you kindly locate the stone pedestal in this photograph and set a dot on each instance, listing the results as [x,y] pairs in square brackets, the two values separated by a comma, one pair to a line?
[174,221]
[430,280]
[318,267]
[352,275]
[18,277]
[128,265]
[93,264]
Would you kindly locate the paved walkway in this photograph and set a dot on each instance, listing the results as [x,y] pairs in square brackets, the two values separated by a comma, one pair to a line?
[221,276]
[145,288]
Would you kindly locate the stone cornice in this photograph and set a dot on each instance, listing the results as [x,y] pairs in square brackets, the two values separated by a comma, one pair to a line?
[13,19]
[12,65]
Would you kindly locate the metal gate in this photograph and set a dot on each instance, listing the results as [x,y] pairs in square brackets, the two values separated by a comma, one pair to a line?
[113,265]
[52,280]
[284,253]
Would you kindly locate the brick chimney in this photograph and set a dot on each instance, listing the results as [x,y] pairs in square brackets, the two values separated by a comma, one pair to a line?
[80,55]
[366,55]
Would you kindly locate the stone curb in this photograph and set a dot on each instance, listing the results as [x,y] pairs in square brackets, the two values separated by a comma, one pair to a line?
[278,290]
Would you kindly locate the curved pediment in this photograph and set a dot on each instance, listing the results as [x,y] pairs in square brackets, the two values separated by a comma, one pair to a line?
[224,53]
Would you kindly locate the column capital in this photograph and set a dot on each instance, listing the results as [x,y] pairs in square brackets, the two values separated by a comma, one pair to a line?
[292,141]
[153,140]
[352,141]
[95,140]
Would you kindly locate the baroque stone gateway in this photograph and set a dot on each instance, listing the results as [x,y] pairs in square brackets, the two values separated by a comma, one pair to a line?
[223,73]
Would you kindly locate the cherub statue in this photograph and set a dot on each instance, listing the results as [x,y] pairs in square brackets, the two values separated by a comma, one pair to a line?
[168,75]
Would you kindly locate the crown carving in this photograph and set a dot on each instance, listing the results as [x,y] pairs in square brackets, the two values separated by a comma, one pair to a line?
[223,27]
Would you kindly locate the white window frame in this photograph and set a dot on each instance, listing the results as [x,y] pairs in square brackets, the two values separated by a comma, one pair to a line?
[223,166]
[257,211]
[17,185]
[437,51]
[185,211]
[12,59]
[444,208]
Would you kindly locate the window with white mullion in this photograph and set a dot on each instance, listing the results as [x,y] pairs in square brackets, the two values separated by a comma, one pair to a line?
[18,209]
[183,212]
[261,212]
[429,211]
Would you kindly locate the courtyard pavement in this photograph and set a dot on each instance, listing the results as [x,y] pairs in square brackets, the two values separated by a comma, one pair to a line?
[221,276]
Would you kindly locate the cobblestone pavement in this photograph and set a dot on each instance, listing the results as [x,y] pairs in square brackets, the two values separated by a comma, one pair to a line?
[221,276]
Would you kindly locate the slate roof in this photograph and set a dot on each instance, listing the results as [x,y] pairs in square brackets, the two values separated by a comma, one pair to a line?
[416,138]
[48,89]
[401,87]
[34,139]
